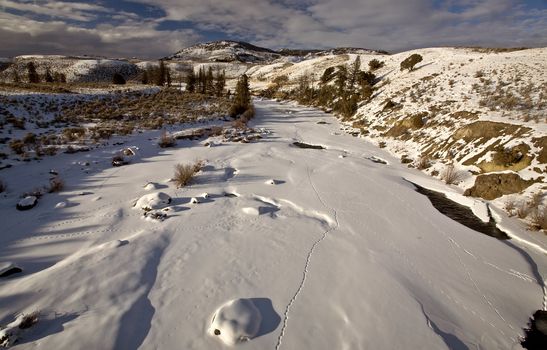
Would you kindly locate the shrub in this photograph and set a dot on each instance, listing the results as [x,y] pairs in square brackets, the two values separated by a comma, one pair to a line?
[29,320]
[451,176]
[118,79]
[375,64]
[411,61]
[56,184]
[184,174]
[17,146]
[166,140]
[423,162]
[538,219]
[523,210]
[30,138]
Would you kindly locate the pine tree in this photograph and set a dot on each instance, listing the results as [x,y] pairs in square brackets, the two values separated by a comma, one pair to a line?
[202,81]
[16,77]
[191,81]
[33,76]
[242,97]
[355,68]
[168,76]
[341,79]
[48,77]
[411,61]
[160,78]
[118,79]
[210,82]
[144,78]
[220,83]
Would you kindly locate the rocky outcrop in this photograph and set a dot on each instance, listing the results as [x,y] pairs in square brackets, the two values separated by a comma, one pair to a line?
[492,186]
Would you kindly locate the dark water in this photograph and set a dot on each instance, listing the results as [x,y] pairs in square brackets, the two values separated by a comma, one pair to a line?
[305,145]
[460,213]
[536,335]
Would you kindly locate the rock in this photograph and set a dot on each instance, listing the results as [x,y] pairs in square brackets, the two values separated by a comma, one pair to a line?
[151,186]
[194,200]
[236,321]
[27,203]
[205,195]
[8,269]
[60,205]
[152,201]
[493,186]
[270,182]
[155,215]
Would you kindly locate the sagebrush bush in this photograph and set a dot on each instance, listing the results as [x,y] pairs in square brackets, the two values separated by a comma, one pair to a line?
[56,184]
[538,219]
[184,174]
[451,176]
[166,140]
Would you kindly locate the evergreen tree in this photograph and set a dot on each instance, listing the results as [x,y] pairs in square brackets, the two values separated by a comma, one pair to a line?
[220,83]
[355,69]
[411,61]
[144,78]
[168,76]
[48,77]
[210,82]
[33,76]
[191,81]
[242,97]
[341,79]
[118,79]
[16,77]
[202,78]
[160,77]
[375,64]
[327,76]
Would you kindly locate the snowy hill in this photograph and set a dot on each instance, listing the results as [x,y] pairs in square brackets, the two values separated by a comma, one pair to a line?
[226,51]
[75,68]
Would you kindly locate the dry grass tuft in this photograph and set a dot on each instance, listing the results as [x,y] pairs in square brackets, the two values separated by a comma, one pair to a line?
[185,172]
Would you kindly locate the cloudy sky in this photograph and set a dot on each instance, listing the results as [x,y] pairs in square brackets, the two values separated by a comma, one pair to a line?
[155,28]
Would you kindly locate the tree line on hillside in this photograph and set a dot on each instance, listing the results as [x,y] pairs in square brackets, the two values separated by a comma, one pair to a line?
[206,82]
[33,77]
[340,88]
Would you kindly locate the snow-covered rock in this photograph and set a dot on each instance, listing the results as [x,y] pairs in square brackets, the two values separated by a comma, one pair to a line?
[158,200]
[236,321]
[27,203]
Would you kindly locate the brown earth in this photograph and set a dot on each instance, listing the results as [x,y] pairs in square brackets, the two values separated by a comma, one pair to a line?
[493,186]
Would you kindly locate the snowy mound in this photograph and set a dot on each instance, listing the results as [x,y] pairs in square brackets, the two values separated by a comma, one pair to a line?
[236,321]
[158,200]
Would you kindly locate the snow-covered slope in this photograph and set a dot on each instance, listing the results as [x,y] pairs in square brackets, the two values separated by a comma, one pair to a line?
[226,51]
[76,69]
[482,109]
[337,252]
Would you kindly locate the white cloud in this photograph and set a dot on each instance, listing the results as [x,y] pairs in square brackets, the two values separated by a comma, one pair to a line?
[20,35]
[378,24]
[58,9]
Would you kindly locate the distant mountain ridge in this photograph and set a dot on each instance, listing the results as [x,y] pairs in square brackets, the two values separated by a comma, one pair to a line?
[239,51]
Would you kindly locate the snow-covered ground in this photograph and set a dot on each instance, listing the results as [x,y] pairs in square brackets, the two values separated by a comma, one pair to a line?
[333,250]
